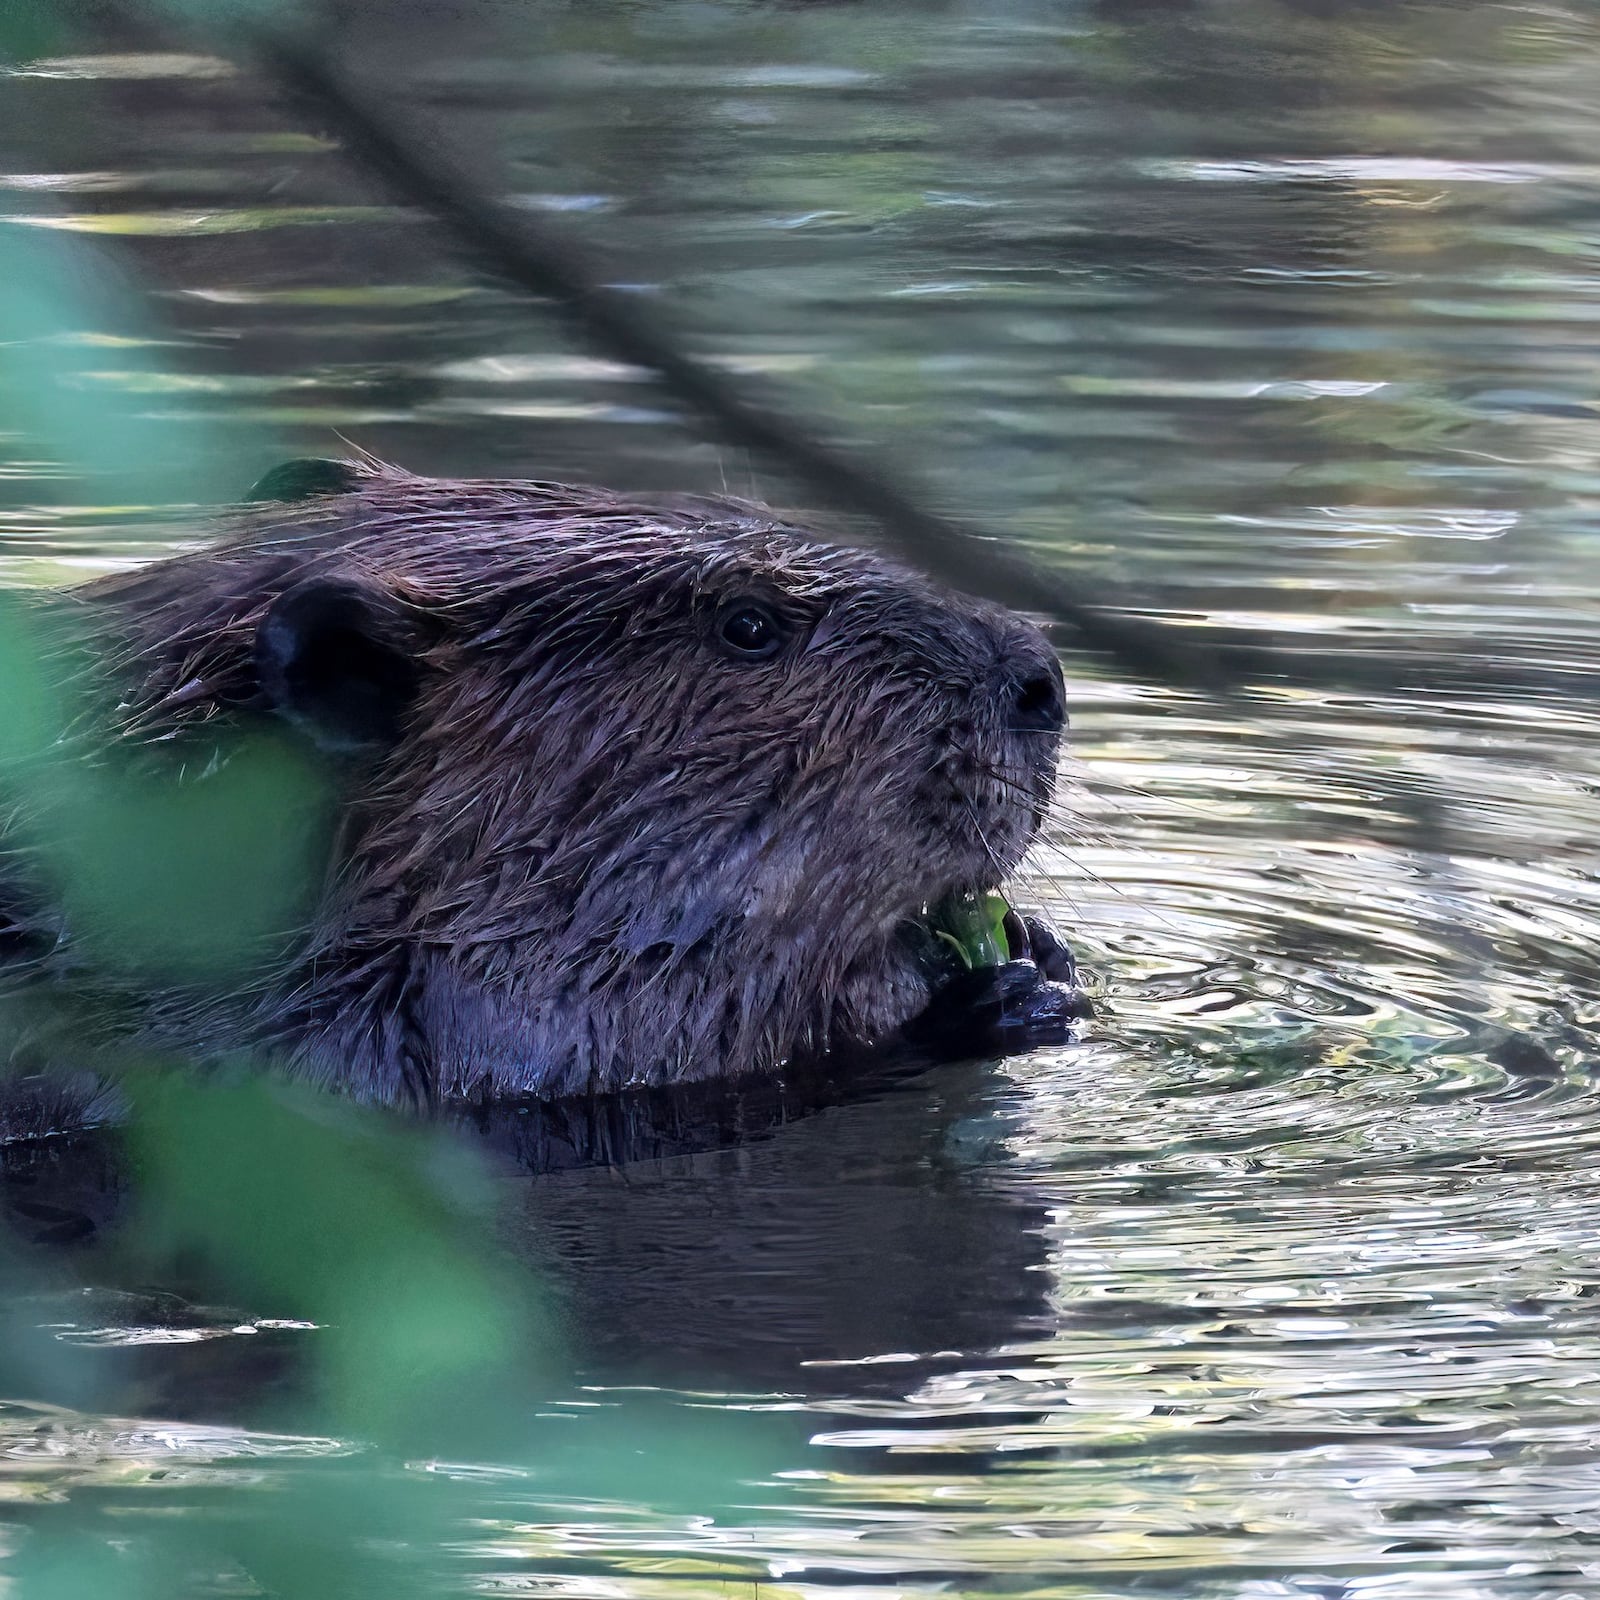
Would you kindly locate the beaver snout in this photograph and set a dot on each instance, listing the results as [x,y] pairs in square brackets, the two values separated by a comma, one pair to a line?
[1038,701]
[1026,677]
[1030,712]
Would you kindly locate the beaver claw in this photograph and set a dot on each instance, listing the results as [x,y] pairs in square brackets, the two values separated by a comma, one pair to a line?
[1003,1010]
[1033,939]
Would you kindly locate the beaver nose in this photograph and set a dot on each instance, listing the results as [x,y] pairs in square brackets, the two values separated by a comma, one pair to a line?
[1038,700]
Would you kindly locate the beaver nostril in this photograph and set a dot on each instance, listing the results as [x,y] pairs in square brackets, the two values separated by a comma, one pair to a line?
[1037,704]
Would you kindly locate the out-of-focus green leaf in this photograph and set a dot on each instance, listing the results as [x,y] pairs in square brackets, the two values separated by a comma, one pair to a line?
[30,29]
[63,298]
[368,1226]
[653,1450]
[191,872]
[35,714]
[182,867]
[57,1562]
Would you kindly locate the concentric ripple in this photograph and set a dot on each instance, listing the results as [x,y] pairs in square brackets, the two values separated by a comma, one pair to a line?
[1284,318]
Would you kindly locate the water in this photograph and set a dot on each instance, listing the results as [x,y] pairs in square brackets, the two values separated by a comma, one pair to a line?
[1284,315]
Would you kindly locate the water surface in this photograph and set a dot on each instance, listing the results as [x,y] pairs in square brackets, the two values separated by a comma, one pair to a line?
[1286,317]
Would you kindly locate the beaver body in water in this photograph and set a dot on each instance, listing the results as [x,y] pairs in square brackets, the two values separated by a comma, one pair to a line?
[628,793]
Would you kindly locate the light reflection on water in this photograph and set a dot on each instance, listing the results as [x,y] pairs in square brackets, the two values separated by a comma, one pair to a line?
[1282,314]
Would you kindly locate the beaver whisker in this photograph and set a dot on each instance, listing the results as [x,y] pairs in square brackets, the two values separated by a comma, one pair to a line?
[1070,825]
[575,840]
[1002,870]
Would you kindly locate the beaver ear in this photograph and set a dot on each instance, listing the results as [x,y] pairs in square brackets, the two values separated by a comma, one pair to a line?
[305,479]
[337,656]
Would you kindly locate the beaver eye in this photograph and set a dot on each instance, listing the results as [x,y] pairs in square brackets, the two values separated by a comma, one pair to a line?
[749,630]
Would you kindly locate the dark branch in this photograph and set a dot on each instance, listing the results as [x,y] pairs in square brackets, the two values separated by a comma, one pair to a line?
[519,251]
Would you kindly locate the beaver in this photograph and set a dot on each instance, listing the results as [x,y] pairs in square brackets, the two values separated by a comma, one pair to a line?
[629,791]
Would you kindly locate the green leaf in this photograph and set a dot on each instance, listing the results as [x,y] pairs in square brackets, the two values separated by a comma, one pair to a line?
[202,870]
[74,358]
[190,864]
[973,926]
[31,30]
[365,1224]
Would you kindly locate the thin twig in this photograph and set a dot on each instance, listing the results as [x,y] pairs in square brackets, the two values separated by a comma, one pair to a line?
[530,256]
[518,250]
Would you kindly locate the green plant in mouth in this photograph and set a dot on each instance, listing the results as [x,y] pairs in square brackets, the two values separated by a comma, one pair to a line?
[973,926]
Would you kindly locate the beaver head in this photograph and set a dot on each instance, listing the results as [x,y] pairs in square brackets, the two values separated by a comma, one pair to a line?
[631,792]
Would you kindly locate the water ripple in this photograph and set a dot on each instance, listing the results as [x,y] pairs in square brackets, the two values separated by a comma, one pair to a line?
[1280,317]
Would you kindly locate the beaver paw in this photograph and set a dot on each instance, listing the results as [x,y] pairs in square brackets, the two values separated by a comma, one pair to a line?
[1005,1010]
[1033,939]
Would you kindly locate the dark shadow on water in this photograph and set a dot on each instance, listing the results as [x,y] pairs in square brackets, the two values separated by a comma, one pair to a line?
[846,1234]
[876,1229]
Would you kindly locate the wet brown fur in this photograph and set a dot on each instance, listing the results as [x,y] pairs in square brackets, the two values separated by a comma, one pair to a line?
[599,852]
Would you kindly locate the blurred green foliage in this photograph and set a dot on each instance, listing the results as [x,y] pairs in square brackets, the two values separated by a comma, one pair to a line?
[422,1339]
[173,868]
[73,345]
[368,1226]
[202,873]
[30,29]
